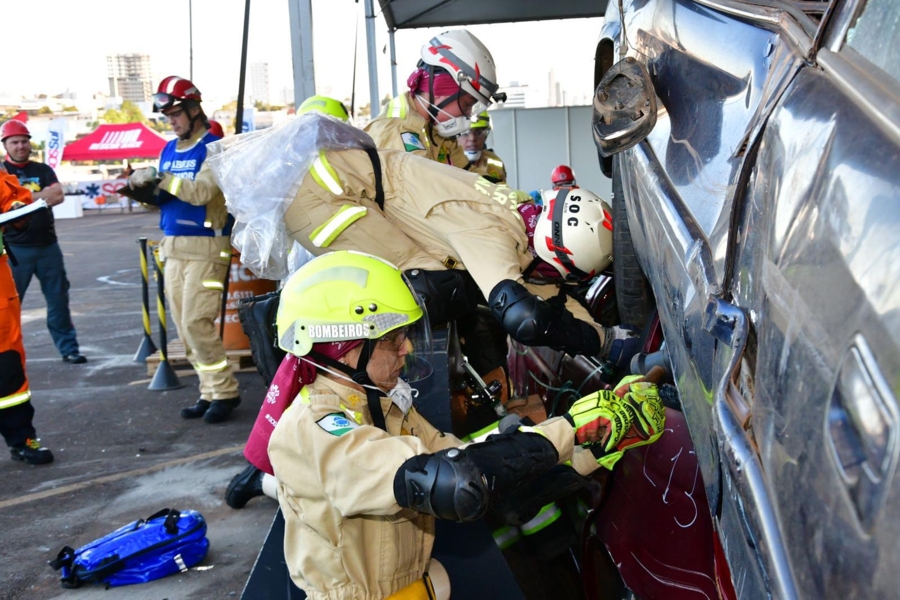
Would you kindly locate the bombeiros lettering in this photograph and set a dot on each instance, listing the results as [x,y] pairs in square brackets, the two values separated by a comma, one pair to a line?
[342,331]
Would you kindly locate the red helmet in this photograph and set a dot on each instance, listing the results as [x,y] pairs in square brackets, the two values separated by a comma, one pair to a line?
[172,91]
[215,128]
[13,127]
[562,175]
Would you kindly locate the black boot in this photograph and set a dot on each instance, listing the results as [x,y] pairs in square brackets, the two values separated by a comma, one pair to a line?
[220,410]
[245,485]
[31,452]
[196,411]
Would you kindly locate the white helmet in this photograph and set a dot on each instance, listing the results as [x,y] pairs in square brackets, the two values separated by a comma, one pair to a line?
[574,233]
[463,56]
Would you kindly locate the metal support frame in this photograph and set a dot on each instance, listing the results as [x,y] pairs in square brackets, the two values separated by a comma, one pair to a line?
[300,12]
[374,99]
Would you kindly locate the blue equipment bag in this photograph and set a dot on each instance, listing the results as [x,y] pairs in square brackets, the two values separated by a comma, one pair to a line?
[165,543]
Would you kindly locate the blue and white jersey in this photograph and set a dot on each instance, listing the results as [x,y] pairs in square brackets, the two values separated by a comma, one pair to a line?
[178,217]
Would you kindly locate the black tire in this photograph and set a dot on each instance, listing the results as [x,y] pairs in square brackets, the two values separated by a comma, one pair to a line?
[633,294]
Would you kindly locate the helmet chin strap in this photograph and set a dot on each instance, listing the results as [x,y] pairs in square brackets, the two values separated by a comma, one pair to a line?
[359,376]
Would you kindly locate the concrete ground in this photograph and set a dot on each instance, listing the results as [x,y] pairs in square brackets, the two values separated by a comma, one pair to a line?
[122,451]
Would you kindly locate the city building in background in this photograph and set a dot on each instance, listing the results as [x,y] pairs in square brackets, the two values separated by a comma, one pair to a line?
[130,77]
[259,82]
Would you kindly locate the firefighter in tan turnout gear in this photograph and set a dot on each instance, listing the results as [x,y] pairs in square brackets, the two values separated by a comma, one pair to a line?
[459,237]
[481,160]
[197,244]
[362,475]
[456,74]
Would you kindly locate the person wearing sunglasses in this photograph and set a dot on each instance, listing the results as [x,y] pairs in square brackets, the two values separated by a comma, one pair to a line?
[196,246]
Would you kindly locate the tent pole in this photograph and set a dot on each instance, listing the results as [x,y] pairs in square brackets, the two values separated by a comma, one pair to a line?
[239,116]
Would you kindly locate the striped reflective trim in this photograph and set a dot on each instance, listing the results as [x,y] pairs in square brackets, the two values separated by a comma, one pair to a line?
[507,536]
[214,285]
[304,396]
[330,229]
[326,176]
[537,430]
[15,399]
[219,366]
[548,515]
[481,434]
[207,224]
[174,185]
[225,254]
[495,162]
[397,107]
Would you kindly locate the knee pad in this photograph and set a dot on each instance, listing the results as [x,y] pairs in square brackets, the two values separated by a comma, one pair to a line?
[446,485]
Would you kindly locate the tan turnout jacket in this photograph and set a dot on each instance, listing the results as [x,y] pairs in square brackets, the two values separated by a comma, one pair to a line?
[345,535]
[489,165]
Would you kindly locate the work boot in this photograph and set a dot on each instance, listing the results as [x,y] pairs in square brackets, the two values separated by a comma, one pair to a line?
[196,411]
[31,452]
[245,485]
[219,410]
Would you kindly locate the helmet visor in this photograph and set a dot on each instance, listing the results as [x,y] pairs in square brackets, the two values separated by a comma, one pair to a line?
[162,101]
[419,359]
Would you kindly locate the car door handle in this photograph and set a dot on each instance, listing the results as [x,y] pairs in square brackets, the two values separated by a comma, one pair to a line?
[862,431]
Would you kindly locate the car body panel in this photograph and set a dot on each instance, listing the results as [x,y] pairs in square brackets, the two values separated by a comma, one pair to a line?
[764,212]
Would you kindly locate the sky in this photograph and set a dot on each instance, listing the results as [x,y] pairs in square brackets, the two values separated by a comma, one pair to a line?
[62,44]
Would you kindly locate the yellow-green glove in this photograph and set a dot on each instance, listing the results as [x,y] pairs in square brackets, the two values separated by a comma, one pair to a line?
[609,423]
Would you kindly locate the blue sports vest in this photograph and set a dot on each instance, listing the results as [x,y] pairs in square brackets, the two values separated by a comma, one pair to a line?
[178,217]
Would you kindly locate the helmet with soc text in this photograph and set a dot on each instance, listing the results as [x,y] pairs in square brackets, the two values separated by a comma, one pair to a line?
[347,295]
[326,105]
[562,175]
[574,233]
[13,127]
[172,91]
[468,60]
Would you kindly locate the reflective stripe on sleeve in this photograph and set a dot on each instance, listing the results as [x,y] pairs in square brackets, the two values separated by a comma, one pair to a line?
[495,162]
[219,366]
[326,176]
[15,399]
[397,107]
[481,434]
[545,518]
[213,285]
[506,536]
[330,229]
[174,185]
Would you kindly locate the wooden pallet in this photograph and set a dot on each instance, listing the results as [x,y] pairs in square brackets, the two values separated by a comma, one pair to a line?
[241,360]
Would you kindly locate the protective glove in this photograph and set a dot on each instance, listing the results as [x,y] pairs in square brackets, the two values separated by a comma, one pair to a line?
[609,423]
[620,344]
[142,177]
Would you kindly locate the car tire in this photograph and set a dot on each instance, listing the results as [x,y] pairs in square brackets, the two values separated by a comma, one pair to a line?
[633,294]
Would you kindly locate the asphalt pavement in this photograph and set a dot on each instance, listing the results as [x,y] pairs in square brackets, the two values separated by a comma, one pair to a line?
[122,451]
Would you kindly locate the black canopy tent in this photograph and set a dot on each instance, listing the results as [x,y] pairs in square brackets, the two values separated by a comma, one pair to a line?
[410,14]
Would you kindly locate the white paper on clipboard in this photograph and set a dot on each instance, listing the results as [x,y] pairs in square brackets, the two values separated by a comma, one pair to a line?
[21,212]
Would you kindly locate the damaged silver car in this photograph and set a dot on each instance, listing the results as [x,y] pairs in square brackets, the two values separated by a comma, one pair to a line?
[754,148]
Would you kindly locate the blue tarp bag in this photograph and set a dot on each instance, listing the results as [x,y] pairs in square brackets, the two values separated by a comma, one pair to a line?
[165,543]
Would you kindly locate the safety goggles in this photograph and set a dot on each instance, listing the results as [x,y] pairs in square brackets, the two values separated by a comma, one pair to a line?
[162,101]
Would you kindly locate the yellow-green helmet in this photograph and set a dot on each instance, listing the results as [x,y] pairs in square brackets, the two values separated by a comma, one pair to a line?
[324,104]
[481,121]
[344,295]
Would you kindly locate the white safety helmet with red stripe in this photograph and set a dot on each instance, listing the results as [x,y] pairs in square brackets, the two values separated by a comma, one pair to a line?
[172,91]
[468,60]
[574,233]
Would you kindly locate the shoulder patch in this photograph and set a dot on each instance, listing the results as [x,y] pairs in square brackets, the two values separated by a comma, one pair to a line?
[336,424]
[411,141]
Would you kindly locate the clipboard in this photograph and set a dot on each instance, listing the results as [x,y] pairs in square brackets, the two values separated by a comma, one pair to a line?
[18,213]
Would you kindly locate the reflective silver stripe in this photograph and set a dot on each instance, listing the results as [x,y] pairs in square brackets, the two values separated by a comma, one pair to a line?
[219,366]
[207,224]
[225,254]
[336,224]
[213,285]
[325,176]
[15,399]
[495,162]
[180,562]
[506,536]
[548,515]
[396,107]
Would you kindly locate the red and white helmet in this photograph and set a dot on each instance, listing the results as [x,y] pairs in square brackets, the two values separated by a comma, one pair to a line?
[172,91]
[574,233]
[562,175]
[13,127]
[463,56]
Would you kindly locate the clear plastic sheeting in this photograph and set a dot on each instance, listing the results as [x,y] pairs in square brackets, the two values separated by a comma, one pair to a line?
[260,173]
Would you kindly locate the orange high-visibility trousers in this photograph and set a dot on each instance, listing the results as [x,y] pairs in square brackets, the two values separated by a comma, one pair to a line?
[13,381]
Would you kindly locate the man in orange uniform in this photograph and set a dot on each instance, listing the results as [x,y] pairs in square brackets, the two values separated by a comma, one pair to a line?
[16,411]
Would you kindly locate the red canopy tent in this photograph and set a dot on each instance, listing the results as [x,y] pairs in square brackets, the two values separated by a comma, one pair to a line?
[116,142]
